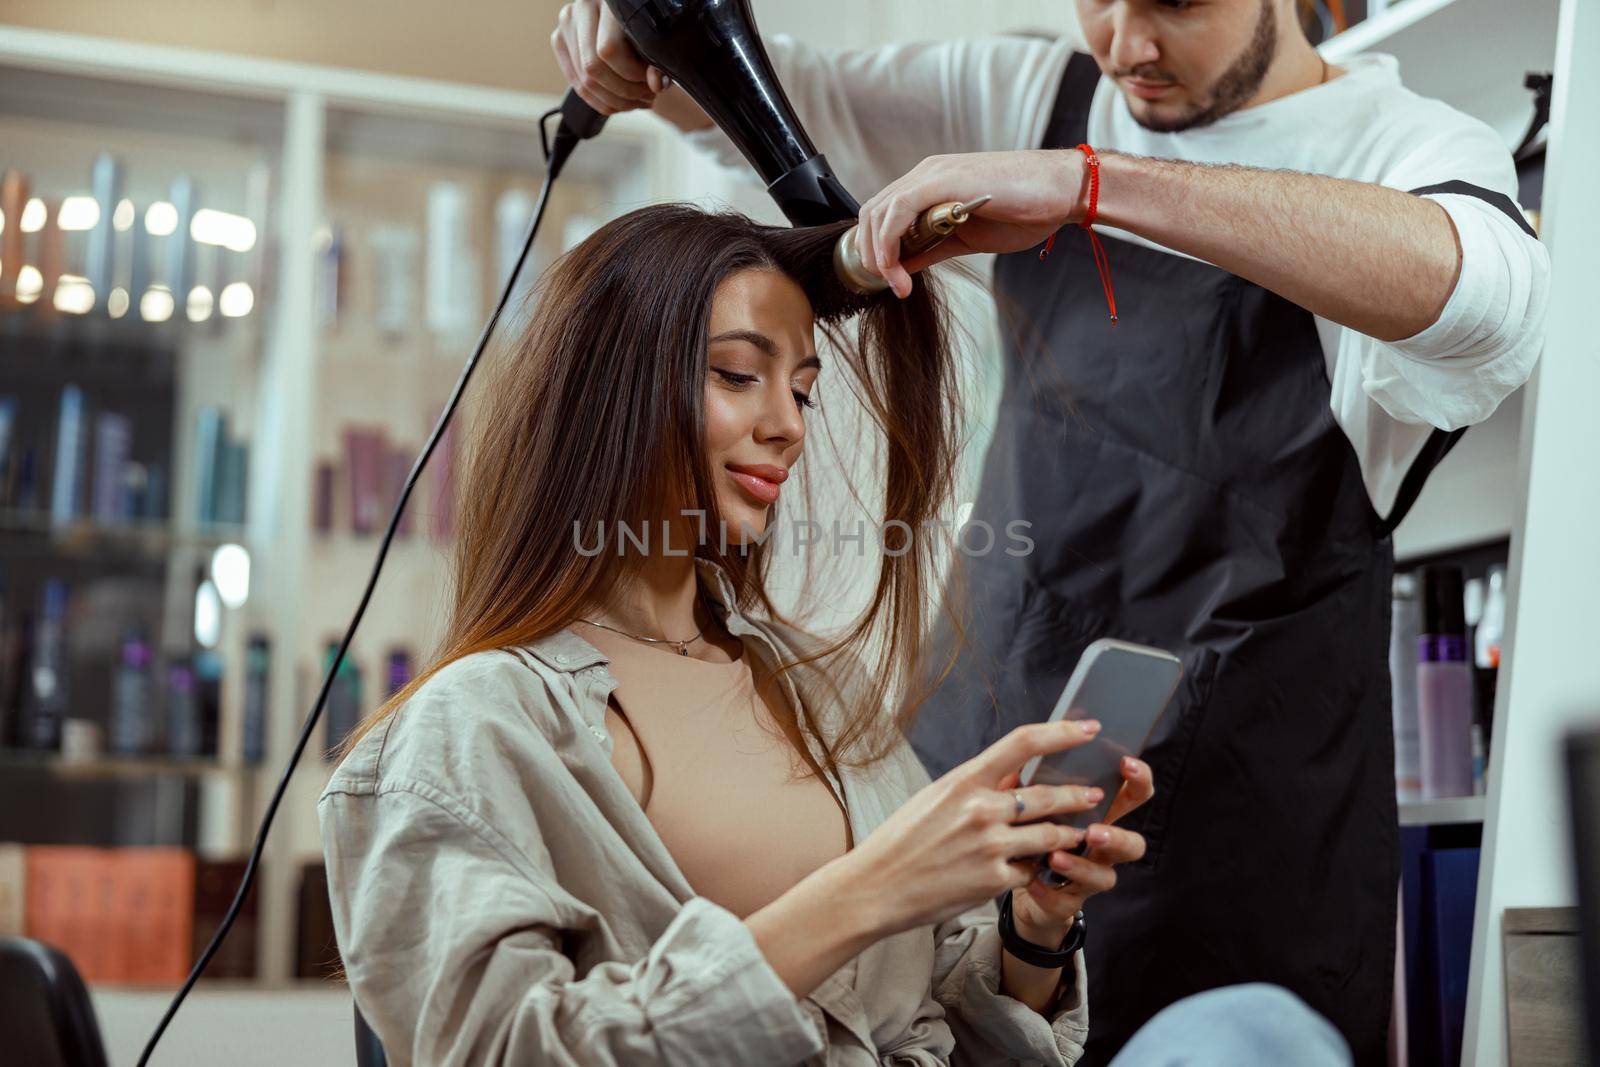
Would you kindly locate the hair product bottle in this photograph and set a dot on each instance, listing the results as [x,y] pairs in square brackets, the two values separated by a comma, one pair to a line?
[1444,686]
[399,664]
[1406,629]
[1486,661]
[257,667]
[50,663]
[132,711]
[183,711]
[343,711]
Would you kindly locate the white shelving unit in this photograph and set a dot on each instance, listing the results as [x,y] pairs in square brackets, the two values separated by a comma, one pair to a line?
[1451,811]
[321,119]
[1550,678]
[1472,54]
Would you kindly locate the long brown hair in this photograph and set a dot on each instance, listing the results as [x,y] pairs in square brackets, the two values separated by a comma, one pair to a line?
[594,416]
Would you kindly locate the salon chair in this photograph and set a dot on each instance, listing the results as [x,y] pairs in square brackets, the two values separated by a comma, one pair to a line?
[46,1019]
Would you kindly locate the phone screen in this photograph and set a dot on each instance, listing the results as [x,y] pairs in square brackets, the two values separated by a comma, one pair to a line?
[1124,686]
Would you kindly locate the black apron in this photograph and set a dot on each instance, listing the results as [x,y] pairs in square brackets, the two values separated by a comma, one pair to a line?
[1187,487]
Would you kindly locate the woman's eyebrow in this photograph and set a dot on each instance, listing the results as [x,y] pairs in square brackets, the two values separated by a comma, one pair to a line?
[765,343]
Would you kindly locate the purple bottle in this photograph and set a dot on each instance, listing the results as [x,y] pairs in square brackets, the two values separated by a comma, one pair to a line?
[1444,686]
[399,670]
[183,711]
[132,720]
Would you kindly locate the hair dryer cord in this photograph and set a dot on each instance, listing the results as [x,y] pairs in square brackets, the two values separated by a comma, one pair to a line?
[578,122]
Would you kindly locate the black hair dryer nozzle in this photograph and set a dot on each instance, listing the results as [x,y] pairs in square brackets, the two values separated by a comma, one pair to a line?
[711,48]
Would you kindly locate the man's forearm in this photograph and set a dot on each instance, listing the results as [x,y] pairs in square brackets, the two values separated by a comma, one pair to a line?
[1377,260]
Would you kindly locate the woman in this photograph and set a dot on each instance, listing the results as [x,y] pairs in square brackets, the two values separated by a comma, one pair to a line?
[632,816]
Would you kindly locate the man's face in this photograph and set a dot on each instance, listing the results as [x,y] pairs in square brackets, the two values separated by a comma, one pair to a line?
[1182,63]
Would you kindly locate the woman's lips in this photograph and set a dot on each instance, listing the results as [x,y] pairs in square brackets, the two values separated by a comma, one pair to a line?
[759,480]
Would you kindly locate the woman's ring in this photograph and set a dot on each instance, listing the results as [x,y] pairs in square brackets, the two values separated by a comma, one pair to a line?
[1016,795]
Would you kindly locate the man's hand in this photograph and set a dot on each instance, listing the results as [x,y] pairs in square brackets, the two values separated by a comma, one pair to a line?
[1377,260]
[599,62]
[1034,192]
[607,72]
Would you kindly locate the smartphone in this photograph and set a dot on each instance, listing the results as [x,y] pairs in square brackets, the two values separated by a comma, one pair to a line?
[1124,686]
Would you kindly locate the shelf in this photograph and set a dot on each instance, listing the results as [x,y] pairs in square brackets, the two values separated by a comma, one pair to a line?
[56,331]
[86,535]
[344,544]
[338,146]
[1471,54]
[223,985]
[1451,811]
[1462,551]
[404,118]
[405,364]
[108,766]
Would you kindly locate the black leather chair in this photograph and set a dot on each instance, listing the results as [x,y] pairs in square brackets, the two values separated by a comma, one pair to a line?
[46,1019]
[369,1050]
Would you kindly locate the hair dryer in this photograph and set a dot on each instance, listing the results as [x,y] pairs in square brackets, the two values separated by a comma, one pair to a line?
[711,48]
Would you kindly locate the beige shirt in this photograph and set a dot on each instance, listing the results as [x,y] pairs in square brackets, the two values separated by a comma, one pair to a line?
[711,760]
[500,897]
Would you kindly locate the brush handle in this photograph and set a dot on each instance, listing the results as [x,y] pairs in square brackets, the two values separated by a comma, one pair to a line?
[926,231]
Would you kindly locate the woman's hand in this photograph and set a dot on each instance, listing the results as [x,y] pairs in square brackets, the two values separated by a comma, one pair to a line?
[1042,913]
[599,61]
[954,845]
[1034,193]
[957,843]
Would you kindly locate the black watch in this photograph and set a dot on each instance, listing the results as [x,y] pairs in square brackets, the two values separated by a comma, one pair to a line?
[1038,955]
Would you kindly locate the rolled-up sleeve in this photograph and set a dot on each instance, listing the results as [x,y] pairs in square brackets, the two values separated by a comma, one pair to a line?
[452,939]
[1488,336]
[989,1026]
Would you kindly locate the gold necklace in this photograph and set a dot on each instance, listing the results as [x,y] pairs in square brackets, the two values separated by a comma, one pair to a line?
[681,646]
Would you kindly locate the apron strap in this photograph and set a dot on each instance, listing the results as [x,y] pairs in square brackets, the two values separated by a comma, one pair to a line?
[1434,449]
[1069,117]
[1500,201]
[1440,442]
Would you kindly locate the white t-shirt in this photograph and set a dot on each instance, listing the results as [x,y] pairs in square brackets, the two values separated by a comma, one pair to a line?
[877,112]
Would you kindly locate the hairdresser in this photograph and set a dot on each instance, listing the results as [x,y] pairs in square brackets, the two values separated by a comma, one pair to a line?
[1276,292]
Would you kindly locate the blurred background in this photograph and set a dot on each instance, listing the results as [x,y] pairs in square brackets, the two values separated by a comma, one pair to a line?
[244,250]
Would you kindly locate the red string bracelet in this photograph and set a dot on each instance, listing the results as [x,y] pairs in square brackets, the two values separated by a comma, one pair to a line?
[1102,264]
